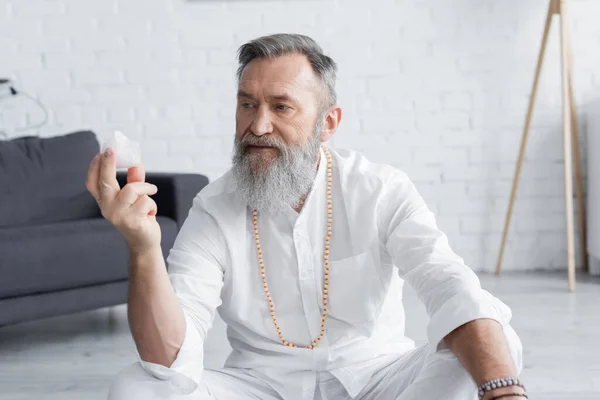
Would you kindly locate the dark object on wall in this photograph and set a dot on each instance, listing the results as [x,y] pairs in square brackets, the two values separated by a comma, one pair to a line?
[13,92]
[57,254]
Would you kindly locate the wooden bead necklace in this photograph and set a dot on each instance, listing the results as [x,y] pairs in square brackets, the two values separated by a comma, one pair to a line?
[325,257]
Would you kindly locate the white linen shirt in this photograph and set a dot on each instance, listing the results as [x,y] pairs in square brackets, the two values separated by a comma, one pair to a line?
[382,234]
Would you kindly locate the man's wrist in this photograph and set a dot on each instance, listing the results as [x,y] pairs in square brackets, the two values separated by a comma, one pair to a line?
[141,257]
[503,391]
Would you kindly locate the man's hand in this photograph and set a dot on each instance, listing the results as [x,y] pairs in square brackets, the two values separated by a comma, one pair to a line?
[129,209]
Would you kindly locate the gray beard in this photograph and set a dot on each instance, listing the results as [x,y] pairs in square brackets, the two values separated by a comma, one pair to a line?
[273,185]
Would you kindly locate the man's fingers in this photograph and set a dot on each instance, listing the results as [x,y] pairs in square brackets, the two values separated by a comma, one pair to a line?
[108,184]
[136,173]
[132,191]
[91,182]
[144,205]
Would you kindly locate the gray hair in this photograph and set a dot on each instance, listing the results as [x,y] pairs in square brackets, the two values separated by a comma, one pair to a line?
[284,43]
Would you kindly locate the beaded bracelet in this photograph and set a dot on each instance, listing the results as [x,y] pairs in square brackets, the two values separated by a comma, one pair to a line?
[498,383]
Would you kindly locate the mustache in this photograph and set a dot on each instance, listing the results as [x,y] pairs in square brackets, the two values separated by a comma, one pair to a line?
[249,139]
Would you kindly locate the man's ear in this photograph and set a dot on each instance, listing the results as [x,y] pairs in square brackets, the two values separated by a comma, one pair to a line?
[333,118]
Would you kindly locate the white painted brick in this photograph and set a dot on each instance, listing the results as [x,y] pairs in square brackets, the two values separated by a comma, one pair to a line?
[9,46]
[118,94]
[120,114]
[91,8]
[161,44]
[535,206]
[67,114]
[168,130]
[29,79]
[159,8]
[414,138]
[385,123]
[428,103]
[12,118]
[170,164]
[541,188]
[70,26]
[94,116]
[529,171]
[98,42]
[69,60]
[6,11]
[427,155]
[65,96]
[462,137]
[457,101]
[151,75]
[206,39]
[468,173]
[128,26]
[384,155]
[221,57]
[489,188]
[15,28]
[147,112]
[534,223]
[47,44]
[436,122]
[21,61]
[195,57]
[165,93]
[97,76]
[423,173]
[377,85]
[177,112]
[487,223]
[451,191]
[466,206]
[154,146]
[129,61]
[449,224]
[41,9]
[491,154]
[202,146]
[455,156]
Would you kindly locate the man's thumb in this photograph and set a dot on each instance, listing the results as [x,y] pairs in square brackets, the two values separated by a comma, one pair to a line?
[136,173]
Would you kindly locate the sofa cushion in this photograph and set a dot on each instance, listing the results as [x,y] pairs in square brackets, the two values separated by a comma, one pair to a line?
[66,255]
[42,180]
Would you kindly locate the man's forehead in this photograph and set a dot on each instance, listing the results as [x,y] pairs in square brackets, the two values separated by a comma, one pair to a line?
[285,75]
[256,88]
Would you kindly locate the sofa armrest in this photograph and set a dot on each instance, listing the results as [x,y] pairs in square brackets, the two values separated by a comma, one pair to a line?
[176,192]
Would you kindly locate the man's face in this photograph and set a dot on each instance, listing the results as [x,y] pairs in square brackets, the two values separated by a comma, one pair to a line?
[277,106]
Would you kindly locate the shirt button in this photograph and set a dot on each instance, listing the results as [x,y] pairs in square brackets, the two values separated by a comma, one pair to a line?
[304,273]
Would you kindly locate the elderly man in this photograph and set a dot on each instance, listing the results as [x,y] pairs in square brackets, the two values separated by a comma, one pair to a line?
[303,249]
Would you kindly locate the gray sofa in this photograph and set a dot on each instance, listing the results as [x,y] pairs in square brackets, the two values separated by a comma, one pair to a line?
[57,254]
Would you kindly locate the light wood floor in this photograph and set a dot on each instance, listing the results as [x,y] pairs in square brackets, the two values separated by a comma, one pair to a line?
[75,357]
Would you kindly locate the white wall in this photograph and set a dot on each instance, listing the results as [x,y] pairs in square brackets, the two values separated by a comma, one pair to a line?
[437,88]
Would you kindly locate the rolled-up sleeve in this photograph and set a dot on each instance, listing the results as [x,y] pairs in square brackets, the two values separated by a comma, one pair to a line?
[450,290]
[196,268]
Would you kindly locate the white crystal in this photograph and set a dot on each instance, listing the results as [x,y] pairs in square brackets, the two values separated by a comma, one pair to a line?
[127,150]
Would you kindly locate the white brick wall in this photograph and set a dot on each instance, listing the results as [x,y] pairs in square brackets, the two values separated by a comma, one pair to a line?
[437,88]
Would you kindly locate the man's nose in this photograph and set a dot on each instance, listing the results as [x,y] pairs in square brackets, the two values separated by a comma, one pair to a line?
[262,122]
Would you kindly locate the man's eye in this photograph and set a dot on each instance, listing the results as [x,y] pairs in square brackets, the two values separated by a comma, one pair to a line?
[283,107]
[246,105]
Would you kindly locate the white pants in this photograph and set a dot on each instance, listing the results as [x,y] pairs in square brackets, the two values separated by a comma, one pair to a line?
[419,374]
